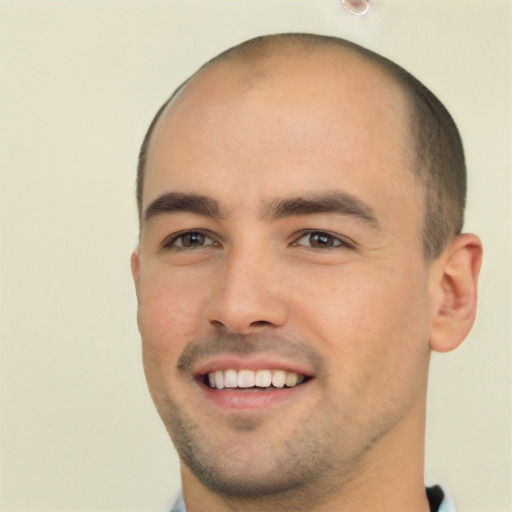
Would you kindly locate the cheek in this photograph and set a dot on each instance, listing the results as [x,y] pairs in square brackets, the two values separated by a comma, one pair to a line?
[372,326]
[364,300]
[168,318]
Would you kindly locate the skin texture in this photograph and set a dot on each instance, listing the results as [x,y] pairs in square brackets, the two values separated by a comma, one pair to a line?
[358,315]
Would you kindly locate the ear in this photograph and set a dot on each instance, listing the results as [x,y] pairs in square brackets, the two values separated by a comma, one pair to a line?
[135,265]
[453,286]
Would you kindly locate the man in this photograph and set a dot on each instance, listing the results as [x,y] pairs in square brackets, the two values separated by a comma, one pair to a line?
[301,201]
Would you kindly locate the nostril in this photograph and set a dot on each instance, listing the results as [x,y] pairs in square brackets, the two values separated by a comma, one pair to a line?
[241,314]
[260,323]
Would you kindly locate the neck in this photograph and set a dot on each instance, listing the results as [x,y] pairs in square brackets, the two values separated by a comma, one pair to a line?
[390,477]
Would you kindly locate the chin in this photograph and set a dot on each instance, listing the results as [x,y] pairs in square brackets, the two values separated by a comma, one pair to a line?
[243,482]
[245,465]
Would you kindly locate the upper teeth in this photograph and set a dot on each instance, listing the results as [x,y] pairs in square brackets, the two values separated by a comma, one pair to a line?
[247,378]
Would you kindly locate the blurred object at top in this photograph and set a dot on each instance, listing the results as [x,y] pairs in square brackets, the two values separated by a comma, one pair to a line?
[356,7]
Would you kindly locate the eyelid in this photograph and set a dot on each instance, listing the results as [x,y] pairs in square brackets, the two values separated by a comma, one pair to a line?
[344,242]
[169,242]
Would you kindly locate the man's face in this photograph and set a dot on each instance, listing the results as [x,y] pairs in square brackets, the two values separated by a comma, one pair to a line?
[304,263]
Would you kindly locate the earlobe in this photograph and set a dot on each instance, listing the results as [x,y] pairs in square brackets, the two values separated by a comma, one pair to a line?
[454,292]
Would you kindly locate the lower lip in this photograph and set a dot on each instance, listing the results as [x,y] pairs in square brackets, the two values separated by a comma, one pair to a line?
[239,399]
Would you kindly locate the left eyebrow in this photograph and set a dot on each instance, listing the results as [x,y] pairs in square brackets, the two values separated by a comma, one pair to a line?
[178,202]
[332,202]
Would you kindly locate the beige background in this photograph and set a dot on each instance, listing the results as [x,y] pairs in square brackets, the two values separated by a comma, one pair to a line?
[79,83]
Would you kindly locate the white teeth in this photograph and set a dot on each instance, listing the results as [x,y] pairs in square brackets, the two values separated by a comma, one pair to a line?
[263,378]
[291,379]
[278,378]
[245,379]
[221,379]
[230,379]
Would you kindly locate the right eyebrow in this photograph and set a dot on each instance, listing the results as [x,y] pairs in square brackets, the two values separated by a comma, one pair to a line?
[331,202]
[179,202]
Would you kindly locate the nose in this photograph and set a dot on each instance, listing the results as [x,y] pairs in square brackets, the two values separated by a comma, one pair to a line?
[247,295]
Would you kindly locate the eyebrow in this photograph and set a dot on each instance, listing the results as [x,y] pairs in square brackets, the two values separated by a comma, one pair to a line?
[179,202]
[332,202]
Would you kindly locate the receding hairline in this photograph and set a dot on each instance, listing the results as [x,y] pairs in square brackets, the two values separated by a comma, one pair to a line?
[435,153]
[263,50]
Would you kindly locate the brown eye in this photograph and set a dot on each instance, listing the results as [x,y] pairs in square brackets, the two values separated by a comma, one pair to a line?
[190,240]
[320,240]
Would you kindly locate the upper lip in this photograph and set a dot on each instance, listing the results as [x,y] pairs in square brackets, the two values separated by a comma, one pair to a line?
[249,362]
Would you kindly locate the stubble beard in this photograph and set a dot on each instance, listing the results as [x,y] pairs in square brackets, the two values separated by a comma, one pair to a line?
[235,457]
[308,464]
[305,469]
[290,469]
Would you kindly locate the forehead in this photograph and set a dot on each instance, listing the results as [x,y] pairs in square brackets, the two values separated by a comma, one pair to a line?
[279,121]
[351,88]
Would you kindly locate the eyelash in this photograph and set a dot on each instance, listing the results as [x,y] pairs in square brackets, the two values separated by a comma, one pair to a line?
[336,241]
[171,242]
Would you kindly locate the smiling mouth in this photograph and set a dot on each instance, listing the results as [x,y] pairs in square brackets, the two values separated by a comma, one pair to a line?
[249,380]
